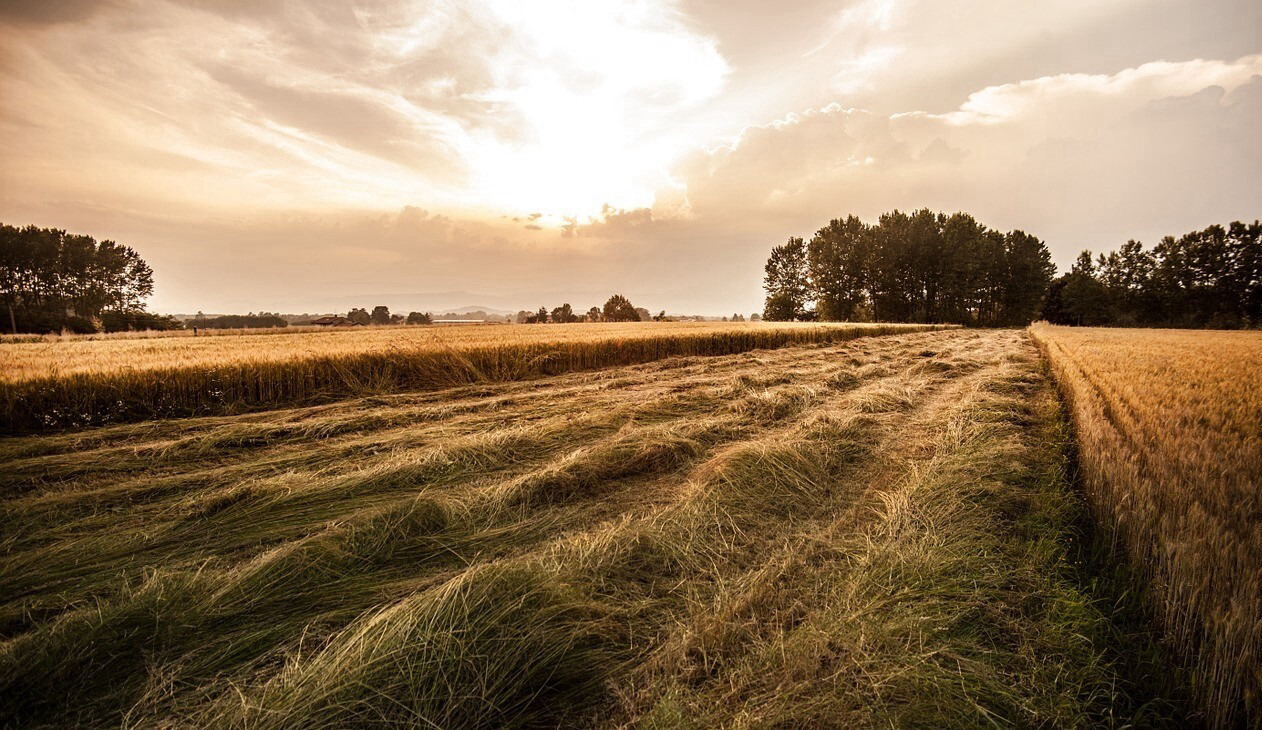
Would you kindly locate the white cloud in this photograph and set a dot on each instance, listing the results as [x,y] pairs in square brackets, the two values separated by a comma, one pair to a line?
[1083,161]
[471,105]
[1071,95]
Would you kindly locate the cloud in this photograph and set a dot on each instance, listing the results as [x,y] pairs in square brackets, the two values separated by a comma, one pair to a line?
[1069,155]
[1079,160]
[1083,161]
[573,147]
[469,104]
[351,118]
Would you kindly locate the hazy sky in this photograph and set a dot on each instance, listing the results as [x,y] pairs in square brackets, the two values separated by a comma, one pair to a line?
[312,155]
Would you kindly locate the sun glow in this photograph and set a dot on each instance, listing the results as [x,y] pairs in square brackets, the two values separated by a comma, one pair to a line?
[593,93]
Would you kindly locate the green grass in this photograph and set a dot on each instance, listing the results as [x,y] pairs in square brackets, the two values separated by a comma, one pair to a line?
[853,534]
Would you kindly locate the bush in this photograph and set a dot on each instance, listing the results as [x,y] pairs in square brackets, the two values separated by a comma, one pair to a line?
[240,321]
[138,320]
[53,322]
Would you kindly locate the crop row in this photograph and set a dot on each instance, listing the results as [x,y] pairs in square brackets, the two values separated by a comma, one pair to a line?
[1169,427]
[250,379]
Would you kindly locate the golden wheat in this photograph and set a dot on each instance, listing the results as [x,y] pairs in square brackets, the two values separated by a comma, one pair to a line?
[1170,431]
[88,382]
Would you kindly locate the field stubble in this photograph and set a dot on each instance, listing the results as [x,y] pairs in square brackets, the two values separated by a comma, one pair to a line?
[869,533]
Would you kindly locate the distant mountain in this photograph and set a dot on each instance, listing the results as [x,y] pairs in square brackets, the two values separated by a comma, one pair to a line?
[436,302]
[475,308]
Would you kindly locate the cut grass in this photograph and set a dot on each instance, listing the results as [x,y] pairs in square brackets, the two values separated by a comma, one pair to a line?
[947,600]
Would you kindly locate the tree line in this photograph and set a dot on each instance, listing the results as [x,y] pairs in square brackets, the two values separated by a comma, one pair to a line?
[52,280]
[909,267]
[1209,278]
[617,309]
[380,315]
[262,320]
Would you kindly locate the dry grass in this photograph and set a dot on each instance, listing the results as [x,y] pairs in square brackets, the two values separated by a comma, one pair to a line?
[77,382]
[1170,443]
[815,536]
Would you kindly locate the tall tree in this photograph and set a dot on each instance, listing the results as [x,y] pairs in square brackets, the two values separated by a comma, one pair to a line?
[1029,271]
[1127,277]
[787,281]
[964,274]
[619,309]
[837,263]
[780,308]
[564,314]
[1246,240]
[891,277]
[1085,298]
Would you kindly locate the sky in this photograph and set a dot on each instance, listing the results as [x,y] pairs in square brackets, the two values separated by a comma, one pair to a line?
[313,155]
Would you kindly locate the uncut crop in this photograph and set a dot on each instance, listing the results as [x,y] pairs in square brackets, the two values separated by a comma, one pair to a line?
[1170,432]
[871,533]
[77,382]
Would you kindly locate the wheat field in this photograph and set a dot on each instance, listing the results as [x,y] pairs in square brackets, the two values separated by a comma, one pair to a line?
[82,382]
[869,533]
[1170,430]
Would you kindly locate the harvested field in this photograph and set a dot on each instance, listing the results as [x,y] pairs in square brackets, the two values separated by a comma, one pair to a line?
[869,533]
[1170,430]
[80,382]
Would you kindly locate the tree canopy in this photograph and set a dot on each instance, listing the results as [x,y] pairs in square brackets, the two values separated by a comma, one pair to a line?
[241,321]
[564,314]
[619,309]
[909,267]
[787,282]
[1207,278]
[50,279]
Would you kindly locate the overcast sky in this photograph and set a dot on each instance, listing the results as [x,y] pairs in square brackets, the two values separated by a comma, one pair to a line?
[313,155]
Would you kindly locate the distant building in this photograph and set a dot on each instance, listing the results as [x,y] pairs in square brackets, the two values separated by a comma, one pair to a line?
[335,322]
